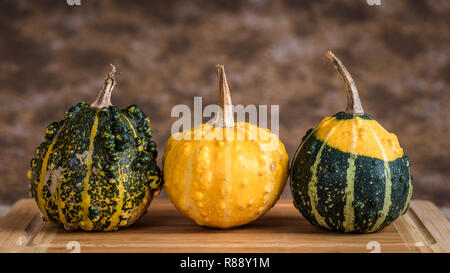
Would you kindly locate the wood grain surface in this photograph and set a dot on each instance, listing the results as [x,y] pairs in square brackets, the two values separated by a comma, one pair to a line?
[282,229]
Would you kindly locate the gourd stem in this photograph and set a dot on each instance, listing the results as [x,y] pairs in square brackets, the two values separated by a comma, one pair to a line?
[226,119]
[104,96]
[353,102]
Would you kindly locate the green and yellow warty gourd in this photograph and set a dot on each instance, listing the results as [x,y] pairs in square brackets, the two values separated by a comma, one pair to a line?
[96,169]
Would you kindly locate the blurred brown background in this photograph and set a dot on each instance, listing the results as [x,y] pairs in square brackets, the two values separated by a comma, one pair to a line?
[53,55]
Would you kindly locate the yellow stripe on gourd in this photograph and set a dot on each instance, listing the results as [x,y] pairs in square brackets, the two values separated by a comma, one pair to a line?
[324,121]
[131,125]
[43,176]
[42,182]
[387,188]
[349,211]
[60,204]
[408,198]
[115,218]
[331,127]
[86,223]
[367,144]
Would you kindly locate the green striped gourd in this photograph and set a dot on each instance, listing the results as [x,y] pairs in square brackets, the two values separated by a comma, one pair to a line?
[349,174]
[96,169]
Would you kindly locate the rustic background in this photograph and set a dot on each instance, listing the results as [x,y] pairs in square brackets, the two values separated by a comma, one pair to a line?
[53,56]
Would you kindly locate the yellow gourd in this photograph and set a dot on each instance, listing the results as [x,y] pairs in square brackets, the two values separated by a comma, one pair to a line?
[224,174]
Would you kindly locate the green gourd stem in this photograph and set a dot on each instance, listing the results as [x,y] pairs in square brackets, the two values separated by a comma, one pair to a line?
[104,97]
[353,102]
[226,119]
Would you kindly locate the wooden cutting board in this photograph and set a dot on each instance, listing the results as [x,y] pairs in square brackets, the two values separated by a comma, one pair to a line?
[282,229]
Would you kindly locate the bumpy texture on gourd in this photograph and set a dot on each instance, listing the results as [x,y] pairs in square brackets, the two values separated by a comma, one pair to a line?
[350,175]
[226,174]
[225,183]
[96,169]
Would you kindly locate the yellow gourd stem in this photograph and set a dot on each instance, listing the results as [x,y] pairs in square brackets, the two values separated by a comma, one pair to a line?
[353,102]
[226,118]
[104,96]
